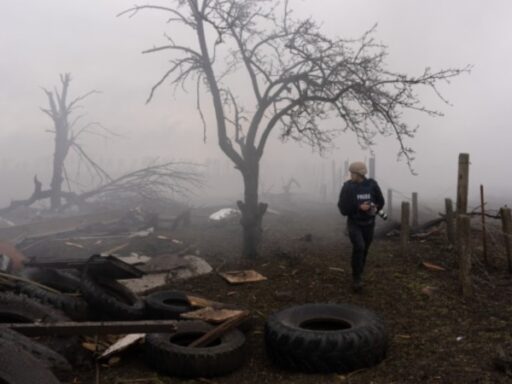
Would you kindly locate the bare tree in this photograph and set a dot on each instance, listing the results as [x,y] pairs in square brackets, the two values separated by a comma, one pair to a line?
[297,76]
[66,134]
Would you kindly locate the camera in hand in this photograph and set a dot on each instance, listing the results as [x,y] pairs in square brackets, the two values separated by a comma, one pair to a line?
[383,215]
[373,211]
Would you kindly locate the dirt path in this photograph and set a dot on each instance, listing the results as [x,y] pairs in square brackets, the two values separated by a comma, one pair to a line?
[436,338]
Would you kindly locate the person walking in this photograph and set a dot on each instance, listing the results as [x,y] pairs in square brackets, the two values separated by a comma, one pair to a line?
[360,199]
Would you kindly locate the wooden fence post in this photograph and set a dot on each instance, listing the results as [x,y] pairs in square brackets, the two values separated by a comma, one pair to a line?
[506,220]
[372,167]
[405,229]
[415,209]
[484,229]
[389,203]
[462,183]
[464,254]
[450,227]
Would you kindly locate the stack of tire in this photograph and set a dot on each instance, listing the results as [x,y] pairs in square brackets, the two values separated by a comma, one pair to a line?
[171,354]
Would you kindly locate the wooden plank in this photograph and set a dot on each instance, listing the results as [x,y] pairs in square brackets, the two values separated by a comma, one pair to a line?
[218,331]
[70,328]
[212,315]
[242,277]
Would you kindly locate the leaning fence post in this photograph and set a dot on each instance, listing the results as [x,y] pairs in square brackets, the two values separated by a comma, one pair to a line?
[450,227]
[506,221]
[404,229]
[389,203]
[484,228]
[415,209]
[464,254]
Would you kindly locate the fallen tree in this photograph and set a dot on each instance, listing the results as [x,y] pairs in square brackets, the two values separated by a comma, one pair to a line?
[154,182]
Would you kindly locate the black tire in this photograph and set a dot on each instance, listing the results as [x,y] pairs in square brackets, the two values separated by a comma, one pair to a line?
[112,298]
[74,307]
[66,281]
[325,338]
[167,304]
[22,309]
[19,367]
[49,358]
[164,352]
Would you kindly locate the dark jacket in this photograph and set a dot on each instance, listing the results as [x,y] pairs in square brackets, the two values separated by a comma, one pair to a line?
[353,194]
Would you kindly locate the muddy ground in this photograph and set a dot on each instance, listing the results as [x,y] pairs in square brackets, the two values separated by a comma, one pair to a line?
[436,336]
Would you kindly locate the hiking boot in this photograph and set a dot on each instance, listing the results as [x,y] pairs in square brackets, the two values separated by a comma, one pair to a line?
[357,284]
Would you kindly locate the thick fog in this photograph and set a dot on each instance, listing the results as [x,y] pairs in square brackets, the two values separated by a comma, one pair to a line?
[41,39]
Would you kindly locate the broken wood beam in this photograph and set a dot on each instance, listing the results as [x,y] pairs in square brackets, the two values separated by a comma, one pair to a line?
[220,330]
[70,328]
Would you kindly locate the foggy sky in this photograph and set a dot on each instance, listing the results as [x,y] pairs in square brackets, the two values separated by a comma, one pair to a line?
[40,39]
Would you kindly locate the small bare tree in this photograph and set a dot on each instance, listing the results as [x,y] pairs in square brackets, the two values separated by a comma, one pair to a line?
[66,134]
[297,76]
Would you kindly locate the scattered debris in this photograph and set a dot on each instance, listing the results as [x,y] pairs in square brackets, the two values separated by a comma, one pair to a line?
[147,282]
[134,259]
[115,249]
[5,263]
[224,214]
[241,277]
[429,291]
[192,266]
[337,269]
[212,315]
[432,267]
[76,245]
[6,223]
[122,344]
[143,233]
[16,257]
[220,330]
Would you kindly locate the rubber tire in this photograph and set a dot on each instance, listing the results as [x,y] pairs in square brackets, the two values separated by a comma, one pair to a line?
[74,307]
[183,361]
[361,345]
[105,296]
[19,367]
[20,308]
[66,281]
[49,358]
[158,308]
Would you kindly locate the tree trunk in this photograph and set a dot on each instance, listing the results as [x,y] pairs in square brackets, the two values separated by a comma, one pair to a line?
[59,156]
[252,211]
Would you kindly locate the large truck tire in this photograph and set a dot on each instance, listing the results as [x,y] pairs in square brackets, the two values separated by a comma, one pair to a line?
[325,338]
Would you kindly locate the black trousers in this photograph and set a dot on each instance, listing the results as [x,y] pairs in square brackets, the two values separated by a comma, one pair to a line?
[361,237]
